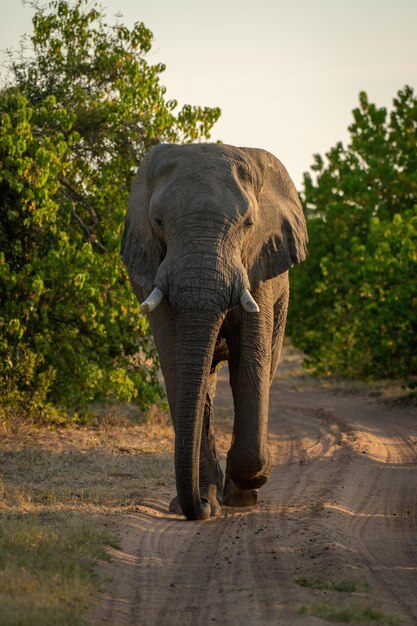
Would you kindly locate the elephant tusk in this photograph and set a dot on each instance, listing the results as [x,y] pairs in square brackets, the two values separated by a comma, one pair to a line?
[248,302]
[152,301]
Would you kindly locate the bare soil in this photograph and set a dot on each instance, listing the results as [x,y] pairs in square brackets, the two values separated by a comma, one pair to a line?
[340,506]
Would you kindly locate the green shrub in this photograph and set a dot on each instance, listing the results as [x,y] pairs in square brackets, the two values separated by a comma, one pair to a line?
[353,306]
[82,112]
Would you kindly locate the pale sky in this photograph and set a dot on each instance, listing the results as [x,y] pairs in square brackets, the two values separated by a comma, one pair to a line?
[285,74]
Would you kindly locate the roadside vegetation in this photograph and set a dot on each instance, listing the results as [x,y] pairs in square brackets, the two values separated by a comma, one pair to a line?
[78,114]
[353,602]
[46,574]
[353,303]
[60,493]
[350,614]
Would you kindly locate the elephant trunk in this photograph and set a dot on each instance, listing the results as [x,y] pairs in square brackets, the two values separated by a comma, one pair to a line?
[198,331]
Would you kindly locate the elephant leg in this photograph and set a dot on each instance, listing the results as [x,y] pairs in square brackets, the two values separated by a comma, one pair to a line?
[249,461]
[211,475]
[280,317]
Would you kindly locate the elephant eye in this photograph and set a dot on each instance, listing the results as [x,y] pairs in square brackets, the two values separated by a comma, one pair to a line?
[248,223]
[158,221]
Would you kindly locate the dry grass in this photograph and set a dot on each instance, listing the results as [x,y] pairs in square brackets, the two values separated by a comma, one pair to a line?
[46,567]
[351,614]
[344,585]
[59,491]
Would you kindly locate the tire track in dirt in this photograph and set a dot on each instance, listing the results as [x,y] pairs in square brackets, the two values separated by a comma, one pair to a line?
[384,505]
[341,503]
[374,506]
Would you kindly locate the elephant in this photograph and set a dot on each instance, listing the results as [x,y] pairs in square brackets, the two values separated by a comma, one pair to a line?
[210,233]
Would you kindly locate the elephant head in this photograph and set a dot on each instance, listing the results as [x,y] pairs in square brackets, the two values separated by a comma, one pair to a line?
[205,224]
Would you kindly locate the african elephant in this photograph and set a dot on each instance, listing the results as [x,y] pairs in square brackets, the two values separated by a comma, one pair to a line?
[210,233]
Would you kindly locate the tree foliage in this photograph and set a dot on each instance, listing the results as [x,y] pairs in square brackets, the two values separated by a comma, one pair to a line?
[78,118]
[354,302]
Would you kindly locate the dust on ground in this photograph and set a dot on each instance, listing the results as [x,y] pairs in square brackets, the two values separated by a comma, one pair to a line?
[333,536]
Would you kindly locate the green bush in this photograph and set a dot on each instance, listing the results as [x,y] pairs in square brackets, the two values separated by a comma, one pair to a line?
[353,307]
[80,114]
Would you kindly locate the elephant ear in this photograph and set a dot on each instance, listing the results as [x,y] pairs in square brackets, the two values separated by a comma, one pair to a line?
[141,250]
[280,238]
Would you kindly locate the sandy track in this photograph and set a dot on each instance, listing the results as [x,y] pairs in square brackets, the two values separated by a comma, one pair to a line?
[341,504]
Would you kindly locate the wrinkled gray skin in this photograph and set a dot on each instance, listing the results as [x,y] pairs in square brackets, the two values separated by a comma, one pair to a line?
[205,222]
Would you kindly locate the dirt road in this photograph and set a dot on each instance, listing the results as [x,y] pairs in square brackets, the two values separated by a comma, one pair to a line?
[334,533]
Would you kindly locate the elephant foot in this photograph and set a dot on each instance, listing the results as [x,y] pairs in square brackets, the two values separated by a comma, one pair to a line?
[174,506]
[216,510]
[233,496]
